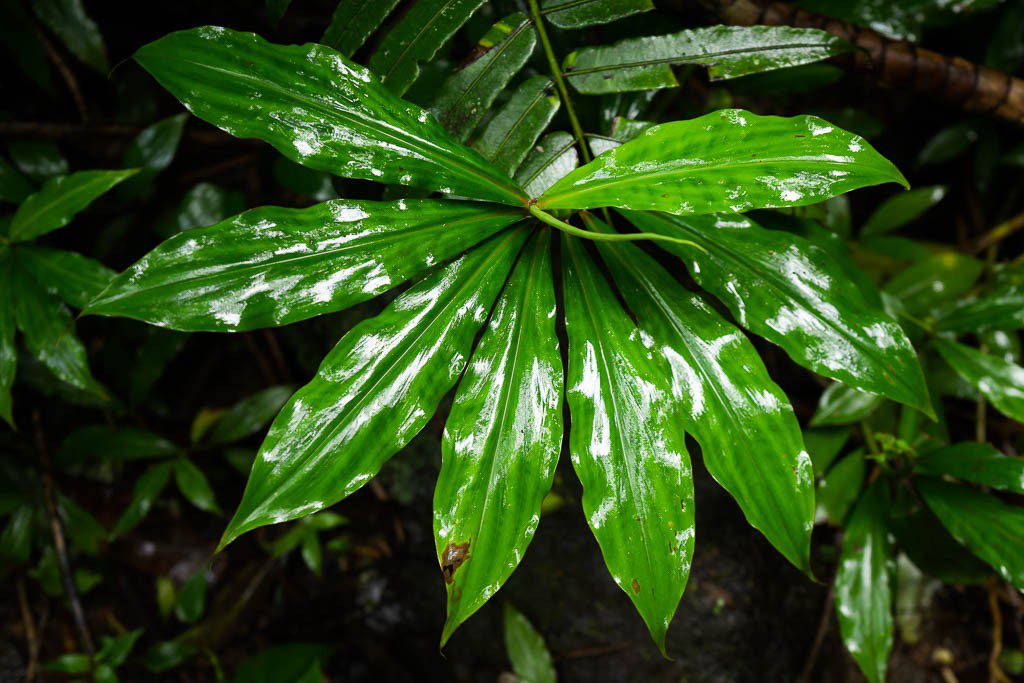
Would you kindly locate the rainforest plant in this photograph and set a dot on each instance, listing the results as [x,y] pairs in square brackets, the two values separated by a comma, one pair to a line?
[508,234]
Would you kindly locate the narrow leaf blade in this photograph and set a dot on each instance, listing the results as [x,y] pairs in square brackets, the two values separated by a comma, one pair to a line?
[508,137]
[999,380]
[59,200]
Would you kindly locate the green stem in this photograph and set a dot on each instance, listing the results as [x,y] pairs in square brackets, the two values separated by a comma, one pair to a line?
[869,437]
[556,75]
[545,217]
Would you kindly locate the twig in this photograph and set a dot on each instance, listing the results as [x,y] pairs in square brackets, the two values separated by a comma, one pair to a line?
[30,633]
[45,130]
[995,671]
[67,75]
[999,233]
[59,544]
[220,167]
[597,650]
[277,355]
[819,636]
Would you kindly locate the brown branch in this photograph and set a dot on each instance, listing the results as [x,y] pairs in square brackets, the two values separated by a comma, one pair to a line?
[50,131]
[59,543]
[897,63]
[67,75]
[819,636]
[30,633]
[995,672]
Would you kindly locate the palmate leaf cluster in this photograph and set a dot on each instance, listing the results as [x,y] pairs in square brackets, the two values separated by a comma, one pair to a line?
[503,236]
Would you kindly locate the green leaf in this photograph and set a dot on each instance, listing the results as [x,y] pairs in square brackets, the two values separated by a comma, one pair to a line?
[843,405]
[824,445]
[551,158]
[730,160]
[8,328]
[1000,309]
[14,187]
[194,486]
[840,487]
[948,144]
[318,109]
[978,463]
[82,529]
[192,598]
[249,415]
[73,663]
[147,489]
[59,200]
[313,553]
[1001,382]
[466,96]
[298,662]
[744,423]
[114,650]
[416,38]
[16,539]
[118,444]
[66,274]
[864,596]
[728,51]
[353,21]
[39,160]
[934,281]
[989,528]
[501,441]
[152,151]
[68,20]
[374,391]
[276,9]
[531,660]
[512,132]
[901,209]
[627,446]
[48,329]
[622,130]
[792,294]
[582,13]
[272,266]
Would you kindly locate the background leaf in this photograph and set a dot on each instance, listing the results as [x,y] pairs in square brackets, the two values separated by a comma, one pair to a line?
[59,200]
[530,657]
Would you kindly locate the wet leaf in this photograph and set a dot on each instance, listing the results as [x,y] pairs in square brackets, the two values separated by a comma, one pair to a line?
[728,51]
[627,446]
[118,444]
[272,266]
[824,444]
[192,484]
[59,200]
[68,20]
[902,208]
[152,151]
[501,440]
[526,649]
[549,160]
[1002,383]
[416,38]
[582,13]
[353,21]
[730,160]
[1000,309]
[978,463]
[249,415]
[298,662]
[374,391]
[466,96]
[791,293]
[514,129]
[864,596]
[748,434]
[934,281]
[8,328]
[843,405]
[147,489]
[840,487]
[74,278]
[318,109]
[39,160]
[987,526]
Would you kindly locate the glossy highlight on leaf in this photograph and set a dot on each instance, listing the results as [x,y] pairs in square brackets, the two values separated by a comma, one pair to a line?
[1000,381]
[583,13]
[730,160]
[374,391]
[627,445]
[791,293]
[978,463]
[318,109]
[501,440]
[272,266]
[508,137]
[552,157]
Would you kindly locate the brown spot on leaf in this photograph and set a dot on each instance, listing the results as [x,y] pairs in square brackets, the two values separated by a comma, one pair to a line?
[636,586]
[452,558]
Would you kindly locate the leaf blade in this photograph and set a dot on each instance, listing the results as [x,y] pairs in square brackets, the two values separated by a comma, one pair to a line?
[59,200]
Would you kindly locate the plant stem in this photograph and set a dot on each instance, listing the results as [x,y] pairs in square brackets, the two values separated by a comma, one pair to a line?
[869,437]
[1000,232]
[556,75]
[545,217]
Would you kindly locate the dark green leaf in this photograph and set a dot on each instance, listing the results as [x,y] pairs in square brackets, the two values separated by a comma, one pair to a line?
[903,208]
[74,663]
[551,158]
[353,21]
[318,109]
[465,97]
[990,528]
[298,662]
[864,596]
[514,129]
[102,443]
[82,529]
[374,391]
[152,151]
[66,274]
[792,294]
[59,200]
[192,598]
[8,328]
[933,281]
[526,649]
[501,441]
[114,650]
[745,426]
[1000,382]
[147,490]
[840,487]
[729,160]
[37,159]
[581,13]
[948,143]
[1000,309]
[203,205]
[194,486]
[303,181]
[979,463]
[313,553]
[824,445]
[16,539]
[273,266]
[68,20]
[249,415]
[622,130]
[14,187]
[843,405]
[416,38]
[627,446]
[728,52]
[276,9]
